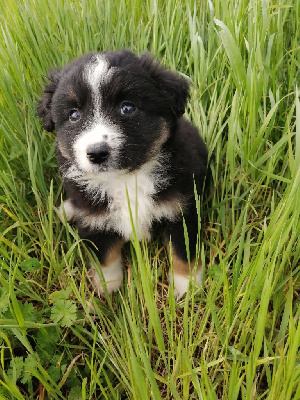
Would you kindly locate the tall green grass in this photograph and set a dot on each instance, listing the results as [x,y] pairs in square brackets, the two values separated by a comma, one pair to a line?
[237,337]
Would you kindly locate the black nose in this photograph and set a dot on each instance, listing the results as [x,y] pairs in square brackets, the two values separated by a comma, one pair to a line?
[97,153]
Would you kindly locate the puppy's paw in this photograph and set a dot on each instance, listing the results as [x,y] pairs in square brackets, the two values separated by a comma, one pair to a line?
[112,277]
[67,208]
[181,282]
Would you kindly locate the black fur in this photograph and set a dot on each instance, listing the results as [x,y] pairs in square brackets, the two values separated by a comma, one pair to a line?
[157,126]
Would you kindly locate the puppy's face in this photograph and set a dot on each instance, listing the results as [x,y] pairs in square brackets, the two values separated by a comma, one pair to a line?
[112,111]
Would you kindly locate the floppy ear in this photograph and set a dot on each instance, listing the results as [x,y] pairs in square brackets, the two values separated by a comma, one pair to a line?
[171,85]
[44,104]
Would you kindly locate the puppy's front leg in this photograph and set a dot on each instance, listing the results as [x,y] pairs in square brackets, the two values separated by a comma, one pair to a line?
[107,247]
[182,269]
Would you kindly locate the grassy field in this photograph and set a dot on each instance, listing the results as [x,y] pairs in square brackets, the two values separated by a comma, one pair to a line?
[237,337]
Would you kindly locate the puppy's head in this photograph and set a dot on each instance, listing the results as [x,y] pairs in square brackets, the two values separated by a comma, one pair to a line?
[112,111]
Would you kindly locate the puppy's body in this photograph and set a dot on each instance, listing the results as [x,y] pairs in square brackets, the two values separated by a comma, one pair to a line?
[122,140]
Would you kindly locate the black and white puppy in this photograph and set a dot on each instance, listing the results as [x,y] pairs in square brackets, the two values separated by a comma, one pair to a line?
[121,136]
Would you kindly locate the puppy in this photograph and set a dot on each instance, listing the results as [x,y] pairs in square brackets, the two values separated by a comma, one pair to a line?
[129,159]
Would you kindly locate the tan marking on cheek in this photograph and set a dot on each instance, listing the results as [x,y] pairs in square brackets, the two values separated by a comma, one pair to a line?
[164,135]
[165,132]
[113,254]
[63,151]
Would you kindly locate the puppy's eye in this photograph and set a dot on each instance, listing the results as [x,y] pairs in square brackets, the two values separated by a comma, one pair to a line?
[74,115]
[127,108]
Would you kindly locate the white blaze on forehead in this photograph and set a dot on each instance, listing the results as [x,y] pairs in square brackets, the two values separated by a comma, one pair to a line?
[99,129]
[96,72]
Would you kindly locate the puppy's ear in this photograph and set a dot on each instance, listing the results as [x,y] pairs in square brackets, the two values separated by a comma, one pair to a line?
[44,104]
[172,86]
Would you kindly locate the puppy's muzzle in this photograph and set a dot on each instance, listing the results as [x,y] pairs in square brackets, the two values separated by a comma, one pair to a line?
[98,153]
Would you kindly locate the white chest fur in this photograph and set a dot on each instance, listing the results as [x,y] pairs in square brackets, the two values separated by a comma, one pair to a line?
[131,205]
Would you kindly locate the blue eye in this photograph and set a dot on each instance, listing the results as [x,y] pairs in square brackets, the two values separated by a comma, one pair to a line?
[127,108]
[74,115]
